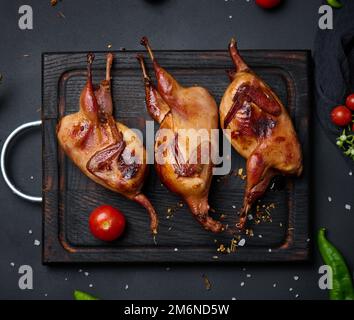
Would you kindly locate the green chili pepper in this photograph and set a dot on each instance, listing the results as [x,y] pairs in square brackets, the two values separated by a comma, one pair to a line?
[335,4]
[79,295]
[342,282]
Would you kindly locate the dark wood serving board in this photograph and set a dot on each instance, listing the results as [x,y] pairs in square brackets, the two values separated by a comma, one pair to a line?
[69,196]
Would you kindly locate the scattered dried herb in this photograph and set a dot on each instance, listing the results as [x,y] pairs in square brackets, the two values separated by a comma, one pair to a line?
[207,282]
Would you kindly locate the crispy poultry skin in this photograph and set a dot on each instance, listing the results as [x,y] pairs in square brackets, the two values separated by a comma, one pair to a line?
[106,151]
[175,107]
[261,131]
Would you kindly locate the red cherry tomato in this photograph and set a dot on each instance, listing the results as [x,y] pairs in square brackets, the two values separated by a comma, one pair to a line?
[268,4]
[349,102]
[106,223]
[341,116]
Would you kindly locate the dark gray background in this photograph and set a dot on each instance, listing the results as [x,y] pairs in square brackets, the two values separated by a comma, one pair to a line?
[170,24]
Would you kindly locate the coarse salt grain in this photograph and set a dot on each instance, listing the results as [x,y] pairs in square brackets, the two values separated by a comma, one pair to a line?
[126,287]
[242,284]
[274,285]
[86,274]
[260,236]
[269,250]
[290,289]
[348,206]
[36,242]
[233,298]
[233,207]
[230,17]
[296,278]
[12,264]
[350,173]
[175,249]
[248,275]
[90,285]
[329,199]
[242,242]
[30,231]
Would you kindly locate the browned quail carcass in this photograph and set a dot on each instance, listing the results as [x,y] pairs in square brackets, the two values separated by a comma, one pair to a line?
[106,151]
[175,108]
[261,131]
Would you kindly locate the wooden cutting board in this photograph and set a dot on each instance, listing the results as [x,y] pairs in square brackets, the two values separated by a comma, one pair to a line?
[69,196]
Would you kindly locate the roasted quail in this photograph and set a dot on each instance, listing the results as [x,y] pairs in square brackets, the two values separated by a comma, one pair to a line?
[106,151]
[176,108]
[260,130]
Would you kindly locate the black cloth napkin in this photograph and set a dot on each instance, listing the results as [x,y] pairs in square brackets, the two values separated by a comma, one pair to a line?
[334,67]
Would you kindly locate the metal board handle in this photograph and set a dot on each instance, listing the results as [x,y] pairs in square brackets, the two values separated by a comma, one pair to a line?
[7,142]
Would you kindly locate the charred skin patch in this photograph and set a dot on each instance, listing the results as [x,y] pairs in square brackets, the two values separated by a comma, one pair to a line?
[102,160]
[128,170]
[253,122]
[80,133]
[182,167]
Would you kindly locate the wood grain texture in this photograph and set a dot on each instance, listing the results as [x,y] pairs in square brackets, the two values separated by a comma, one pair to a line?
[69,196]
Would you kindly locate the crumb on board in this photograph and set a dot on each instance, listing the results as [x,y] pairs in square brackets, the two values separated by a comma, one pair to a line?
[171,210]
[240,174]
